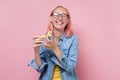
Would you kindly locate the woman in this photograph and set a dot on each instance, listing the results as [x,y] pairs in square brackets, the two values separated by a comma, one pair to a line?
[55,56]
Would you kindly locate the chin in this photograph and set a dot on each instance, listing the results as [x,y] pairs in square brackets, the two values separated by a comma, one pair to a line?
[59,26]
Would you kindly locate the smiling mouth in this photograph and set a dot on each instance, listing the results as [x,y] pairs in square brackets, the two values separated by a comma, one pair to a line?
[59,23]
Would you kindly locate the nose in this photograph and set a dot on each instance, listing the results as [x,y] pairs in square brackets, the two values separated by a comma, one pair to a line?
[60,17]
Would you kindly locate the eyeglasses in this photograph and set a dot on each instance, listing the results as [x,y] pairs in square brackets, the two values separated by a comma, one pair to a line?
[57,15]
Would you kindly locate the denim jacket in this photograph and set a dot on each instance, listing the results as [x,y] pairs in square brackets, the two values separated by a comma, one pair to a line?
[69,49]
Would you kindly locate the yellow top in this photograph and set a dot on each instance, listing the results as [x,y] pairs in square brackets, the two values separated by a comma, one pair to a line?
[56,73]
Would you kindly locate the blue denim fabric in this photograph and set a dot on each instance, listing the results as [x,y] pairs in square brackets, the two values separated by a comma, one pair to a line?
[69,49]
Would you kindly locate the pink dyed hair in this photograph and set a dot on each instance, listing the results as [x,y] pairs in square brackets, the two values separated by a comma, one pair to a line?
[68,29]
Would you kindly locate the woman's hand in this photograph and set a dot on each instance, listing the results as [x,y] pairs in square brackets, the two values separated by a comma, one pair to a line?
[49,44]
[37,41]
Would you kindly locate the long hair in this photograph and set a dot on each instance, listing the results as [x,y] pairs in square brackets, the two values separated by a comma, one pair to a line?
[68,29]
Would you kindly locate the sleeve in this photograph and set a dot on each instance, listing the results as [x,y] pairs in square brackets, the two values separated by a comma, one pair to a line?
[33,64]
[68,62]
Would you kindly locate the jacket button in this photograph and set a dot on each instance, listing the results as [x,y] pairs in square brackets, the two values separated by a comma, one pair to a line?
[48,54]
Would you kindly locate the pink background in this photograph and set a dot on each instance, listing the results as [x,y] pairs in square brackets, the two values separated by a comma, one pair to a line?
[96,22]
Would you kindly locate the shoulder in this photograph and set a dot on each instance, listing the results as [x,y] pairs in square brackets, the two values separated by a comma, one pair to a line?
[72,38]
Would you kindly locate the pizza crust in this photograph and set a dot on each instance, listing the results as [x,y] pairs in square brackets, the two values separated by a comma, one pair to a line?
[47,35]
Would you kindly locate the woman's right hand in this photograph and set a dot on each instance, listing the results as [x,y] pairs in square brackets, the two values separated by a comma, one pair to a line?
[37,41]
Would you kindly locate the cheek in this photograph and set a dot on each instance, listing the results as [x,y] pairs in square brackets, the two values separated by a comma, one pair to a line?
[68,21]
[54,21]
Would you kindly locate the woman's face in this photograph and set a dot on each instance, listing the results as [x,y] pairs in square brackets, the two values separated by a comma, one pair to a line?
[60,18]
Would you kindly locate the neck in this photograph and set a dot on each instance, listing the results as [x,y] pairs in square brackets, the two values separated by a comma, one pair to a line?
[58,34]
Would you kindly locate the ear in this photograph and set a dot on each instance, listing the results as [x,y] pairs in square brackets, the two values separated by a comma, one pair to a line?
[50,19]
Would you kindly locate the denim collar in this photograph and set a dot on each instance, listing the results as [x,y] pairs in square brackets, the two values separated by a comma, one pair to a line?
[63,36]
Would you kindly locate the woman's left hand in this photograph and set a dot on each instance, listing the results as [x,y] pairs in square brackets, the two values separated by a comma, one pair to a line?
[49,44]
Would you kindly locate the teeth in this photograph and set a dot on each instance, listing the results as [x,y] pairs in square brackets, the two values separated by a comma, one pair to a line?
[59,23]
